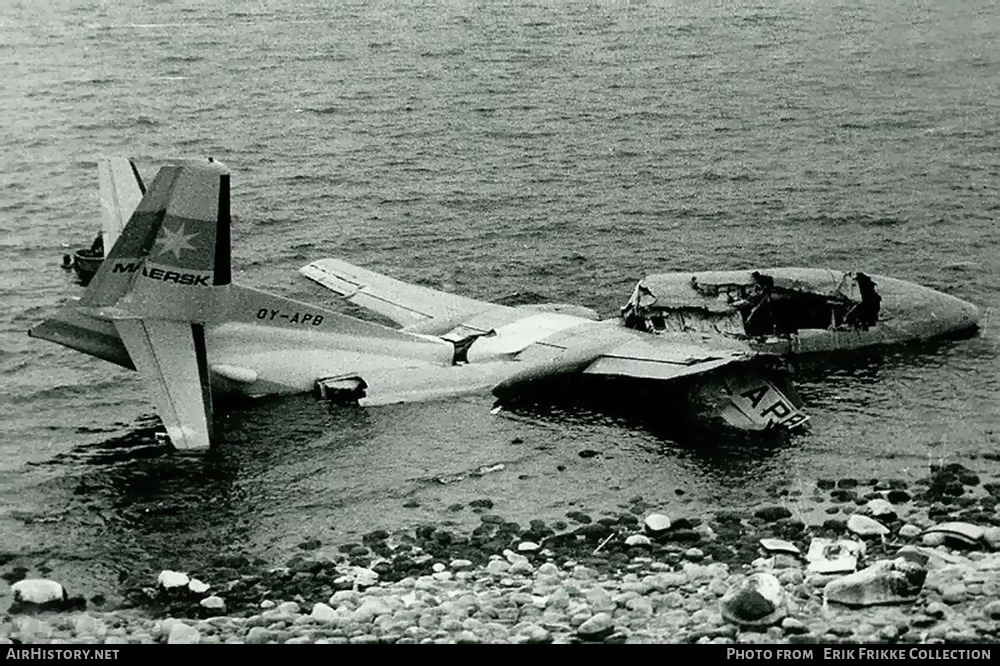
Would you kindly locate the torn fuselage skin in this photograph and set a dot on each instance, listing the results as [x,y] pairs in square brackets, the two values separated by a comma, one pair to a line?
[796,310]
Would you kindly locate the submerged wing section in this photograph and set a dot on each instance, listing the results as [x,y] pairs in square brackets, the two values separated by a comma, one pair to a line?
[406,304]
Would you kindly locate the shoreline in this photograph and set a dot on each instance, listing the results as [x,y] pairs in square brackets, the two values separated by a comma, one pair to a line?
[634,576]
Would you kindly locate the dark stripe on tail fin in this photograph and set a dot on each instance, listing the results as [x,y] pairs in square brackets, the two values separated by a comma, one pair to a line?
[223,258]
[201,352]
[138,178]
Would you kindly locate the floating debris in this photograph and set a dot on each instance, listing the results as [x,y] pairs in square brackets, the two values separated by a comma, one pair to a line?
[827,556]
[780,546]
[896,581]
[966,533]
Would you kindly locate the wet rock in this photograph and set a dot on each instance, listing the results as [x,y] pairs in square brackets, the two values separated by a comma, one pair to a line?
[38,591]
[771,514]
[864,526]
[897,581]
[589,453]
[481,503]
[898,496]
[579,517]
[992,610]
[757,601]
[843,495]
[597,628]
[656,524]
[825,484]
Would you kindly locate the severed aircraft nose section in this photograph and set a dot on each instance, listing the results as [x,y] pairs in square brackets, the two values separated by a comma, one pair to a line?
[912,311]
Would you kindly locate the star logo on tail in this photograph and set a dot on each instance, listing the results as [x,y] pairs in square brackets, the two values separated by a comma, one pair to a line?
[174,241]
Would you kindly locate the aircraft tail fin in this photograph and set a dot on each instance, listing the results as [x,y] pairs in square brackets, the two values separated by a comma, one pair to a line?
[121,189]
[159,284]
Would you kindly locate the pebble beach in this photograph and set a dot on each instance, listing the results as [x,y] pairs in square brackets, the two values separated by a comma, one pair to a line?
[730,576]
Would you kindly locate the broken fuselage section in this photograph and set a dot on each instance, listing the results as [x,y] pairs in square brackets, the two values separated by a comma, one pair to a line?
[796,310]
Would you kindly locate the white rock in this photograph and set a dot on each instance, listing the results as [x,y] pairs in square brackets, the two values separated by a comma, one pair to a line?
[267,604]
[182,634]
[638,540]
[909,531]
[37,591]
[459,565]
[169,580]
[323,613]
[527,547]
[438,567]
[197,586]
[880,508]
[656,524]
[213,603]
[865,526]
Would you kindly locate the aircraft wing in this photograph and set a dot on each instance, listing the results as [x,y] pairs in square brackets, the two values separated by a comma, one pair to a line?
[752,396]
[121,191]
[406,304]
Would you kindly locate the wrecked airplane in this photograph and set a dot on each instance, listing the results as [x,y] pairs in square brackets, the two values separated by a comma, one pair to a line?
[796,310]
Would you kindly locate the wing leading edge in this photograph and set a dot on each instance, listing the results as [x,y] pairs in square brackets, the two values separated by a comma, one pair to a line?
[408,305]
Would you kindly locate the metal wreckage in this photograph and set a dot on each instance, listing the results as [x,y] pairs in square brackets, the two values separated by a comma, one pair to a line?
[162,302]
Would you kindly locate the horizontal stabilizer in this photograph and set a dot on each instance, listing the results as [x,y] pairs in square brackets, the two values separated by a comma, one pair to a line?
[170,356]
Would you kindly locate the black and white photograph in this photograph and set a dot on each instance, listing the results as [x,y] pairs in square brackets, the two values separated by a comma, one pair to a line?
[501,321]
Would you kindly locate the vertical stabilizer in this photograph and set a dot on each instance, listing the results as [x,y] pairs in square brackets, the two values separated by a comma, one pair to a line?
[121,190]
[189,259]
[168,275]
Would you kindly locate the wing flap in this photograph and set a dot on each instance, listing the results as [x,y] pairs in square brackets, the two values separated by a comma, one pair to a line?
[651,368]
[405,304]
[170,356]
